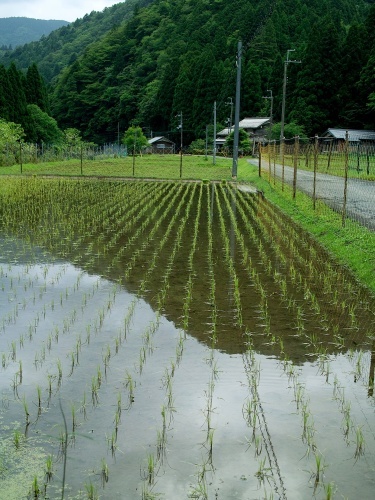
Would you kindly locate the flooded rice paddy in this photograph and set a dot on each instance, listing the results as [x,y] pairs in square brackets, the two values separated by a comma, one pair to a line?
[170,340]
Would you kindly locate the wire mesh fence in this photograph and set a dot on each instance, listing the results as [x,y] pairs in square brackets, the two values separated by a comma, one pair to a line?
[20,153]
[336,174]
[112,161]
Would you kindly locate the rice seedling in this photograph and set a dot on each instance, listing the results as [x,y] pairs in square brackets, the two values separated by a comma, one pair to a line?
[130,385]
[250,414]
[200,489]
[209,444]
[91,491]
[104,472]
[119,403]
[151,469]
[329,490]
[26,410]
[347,421]
[49,468]
[117,421]
[19,373]
[35,490]
[72,362]
[17,439]
[74,418]
[161,442]
[359,443]
[50,380]
[39,394]
[258,445]
[59,372]
[99,377]
[94,391]
[148,494]
[358,366]
[13,353]
[263,473]
[299,392]
[317,474]
[112,443]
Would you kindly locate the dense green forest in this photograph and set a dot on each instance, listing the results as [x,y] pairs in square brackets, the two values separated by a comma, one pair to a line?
[24,101]
[145,62]
[15,31]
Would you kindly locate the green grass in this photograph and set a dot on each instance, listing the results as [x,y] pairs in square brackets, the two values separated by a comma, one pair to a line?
[146,166]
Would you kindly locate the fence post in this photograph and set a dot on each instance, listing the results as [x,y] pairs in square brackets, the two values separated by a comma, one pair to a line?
[346,164]
[274,162]
[21,159]
[296,152]
[81,159]
[269,162]
[315,168]
[282,146]
[358,158]
[181,162]
[329,155]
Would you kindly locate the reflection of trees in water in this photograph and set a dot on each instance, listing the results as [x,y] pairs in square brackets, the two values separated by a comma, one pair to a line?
[293,298]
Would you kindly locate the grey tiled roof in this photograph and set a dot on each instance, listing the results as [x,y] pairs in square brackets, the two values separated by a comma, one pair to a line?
[353,135]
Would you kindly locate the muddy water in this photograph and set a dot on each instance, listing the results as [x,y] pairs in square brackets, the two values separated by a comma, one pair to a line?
[232,396]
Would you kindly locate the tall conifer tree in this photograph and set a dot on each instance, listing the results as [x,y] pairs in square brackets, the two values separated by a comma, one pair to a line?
[18,104]
[35,89]
[4,94]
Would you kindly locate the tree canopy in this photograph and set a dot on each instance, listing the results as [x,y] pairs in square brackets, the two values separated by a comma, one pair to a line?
[135,140]
[145,62]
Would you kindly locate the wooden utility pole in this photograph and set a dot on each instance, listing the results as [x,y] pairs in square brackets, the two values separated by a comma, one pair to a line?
[237,112]
[214,144]
[296,155]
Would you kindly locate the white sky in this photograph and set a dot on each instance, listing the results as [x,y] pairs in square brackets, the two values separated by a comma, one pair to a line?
[65,10]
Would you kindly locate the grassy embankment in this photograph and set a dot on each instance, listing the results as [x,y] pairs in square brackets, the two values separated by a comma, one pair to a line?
[352,245]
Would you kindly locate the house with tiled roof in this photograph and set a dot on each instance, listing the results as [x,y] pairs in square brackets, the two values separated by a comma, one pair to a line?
[257,129]
[339,134]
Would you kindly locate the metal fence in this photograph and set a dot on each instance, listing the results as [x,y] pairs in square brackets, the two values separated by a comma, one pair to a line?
[336,174]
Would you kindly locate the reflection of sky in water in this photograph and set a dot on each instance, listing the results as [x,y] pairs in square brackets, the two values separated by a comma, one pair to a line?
[38,300]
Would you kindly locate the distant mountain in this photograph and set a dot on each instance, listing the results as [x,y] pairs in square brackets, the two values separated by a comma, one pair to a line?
[15,31]
[62,46]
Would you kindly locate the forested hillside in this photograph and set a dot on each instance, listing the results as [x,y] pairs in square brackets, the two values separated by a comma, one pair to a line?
[16,31]
[147,62]
[56,51]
